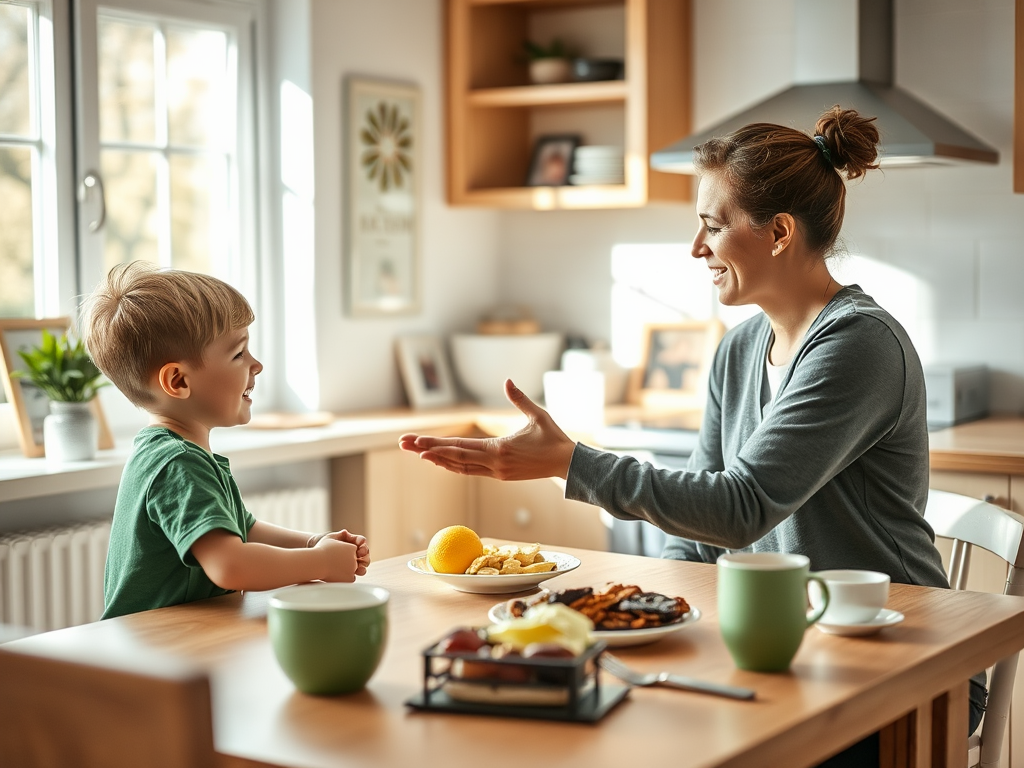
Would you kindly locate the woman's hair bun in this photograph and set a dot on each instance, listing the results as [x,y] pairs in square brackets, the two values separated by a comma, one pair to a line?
[852,140]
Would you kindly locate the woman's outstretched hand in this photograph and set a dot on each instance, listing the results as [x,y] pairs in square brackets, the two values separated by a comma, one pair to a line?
[539,449]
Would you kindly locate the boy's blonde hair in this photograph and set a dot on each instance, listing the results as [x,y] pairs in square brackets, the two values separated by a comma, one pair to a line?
[141,318]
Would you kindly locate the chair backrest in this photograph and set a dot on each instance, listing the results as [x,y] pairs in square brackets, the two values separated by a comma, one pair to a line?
[973,523]
[57,709]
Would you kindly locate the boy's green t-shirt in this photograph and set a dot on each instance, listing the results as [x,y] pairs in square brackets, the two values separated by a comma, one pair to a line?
[171,493]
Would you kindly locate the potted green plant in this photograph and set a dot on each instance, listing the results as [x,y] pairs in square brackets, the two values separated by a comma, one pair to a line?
[550,63]
[66,374]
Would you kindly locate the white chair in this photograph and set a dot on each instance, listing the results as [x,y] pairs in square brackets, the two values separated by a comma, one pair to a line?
[973,523]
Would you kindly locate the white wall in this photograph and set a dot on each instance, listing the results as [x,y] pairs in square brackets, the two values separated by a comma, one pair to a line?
[396,40]
[956,234]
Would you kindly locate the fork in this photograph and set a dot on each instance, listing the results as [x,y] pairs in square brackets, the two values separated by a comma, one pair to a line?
[627,674]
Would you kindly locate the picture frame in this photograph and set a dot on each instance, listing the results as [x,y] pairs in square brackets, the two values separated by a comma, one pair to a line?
[30,405]
[676,361]
[551,163]
[382,190]
[426,374]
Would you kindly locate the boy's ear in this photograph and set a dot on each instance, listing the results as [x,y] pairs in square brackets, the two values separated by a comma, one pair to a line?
[173,381]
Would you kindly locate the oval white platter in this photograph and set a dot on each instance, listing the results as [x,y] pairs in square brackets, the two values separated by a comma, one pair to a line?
[499,584]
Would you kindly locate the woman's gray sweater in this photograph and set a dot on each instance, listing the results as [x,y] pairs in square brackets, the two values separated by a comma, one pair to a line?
[835,468]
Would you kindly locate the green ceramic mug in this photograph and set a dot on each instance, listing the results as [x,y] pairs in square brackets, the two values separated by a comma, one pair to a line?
[328,638]
[763,607]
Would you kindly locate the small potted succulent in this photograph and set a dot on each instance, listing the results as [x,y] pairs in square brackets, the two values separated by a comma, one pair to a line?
[548,64]
[63,370]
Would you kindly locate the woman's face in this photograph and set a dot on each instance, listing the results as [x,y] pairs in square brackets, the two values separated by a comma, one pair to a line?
[739,257]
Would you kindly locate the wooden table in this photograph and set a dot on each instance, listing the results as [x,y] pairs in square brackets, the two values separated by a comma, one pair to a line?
[839,689]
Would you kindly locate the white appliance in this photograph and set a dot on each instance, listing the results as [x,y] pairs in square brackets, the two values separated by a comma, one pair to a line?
[956,394]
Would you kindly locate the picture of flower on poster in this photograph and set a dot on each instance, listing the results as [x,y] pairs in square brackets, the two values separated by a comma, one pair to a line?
[382,192]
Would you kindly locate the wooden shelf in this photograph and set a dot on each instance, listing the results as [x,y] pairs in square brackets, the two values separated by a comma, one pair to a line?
[494,116]
[546,95]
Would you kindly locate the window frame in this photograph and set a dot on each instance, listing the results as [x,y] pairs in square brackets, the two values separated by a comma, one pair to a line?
[238,19]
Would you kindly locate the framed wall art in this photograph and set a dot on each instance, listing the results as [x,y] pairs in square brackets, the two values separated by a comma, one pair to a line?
[676,359]
[30,404]
[425,371]
[382,180]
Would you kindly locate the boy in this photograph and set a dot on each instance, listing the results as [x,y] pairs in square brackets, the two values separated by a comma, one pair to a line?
[176,344]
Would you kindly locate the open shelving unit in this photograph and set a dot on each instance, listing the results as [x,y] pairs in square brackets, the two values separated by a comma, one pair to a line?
[494,116]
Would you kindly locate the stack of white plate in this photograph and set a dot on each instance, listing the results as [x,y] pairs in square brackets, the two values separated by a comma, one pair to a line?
[597,165]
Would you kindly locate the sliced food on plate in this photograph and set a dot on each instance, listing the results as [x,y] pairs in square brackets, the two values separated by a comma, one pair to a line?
[616,607]
[622,614]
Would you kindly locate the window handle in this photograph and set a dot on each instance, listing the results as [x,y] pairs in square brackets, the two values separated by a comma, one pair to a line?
[89,181]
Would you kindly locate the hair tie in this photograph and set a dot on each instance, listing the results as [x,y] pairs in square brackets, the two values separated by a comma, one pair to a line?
[820,141]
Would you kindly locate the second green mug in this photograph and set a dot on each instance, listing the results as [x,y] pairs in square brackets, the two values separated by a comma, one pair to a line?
[763,607]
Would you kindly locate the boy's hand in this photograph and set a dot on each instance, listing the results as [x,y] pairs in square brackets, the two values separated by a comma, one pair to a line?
[362,547]
[339,559]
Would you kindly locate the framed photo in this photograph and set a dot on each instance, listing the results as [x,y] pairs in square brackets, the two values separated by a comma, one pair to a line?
[676,360]
[30,404]
[382,180]
[425,371]
[551,164]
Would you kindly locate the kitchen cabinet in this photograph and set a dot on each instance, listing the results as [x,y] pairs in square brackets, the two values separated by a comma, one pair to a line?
[536,510]
[494,115]
[398,501]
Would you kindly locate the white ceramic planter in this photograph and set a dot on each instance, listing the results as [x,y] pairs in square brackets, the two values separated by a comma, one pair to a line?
[70,433]
[543,71]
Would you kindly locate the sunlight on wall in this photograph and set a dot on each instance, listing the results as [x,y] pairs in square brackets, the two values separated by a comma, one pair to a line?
[907,298]
[660,283]
[299,318]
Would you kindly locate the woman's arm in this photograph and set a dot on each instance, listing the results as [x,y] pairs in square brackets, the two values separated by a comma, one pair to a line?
[231,563]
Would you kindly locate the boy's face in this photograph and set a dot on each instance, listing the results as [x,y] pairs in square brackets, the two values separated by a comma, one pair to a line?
[221,388]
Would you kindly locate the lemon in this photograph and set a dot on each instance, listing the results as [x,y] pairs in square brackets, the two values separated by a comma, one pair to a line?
[453,549]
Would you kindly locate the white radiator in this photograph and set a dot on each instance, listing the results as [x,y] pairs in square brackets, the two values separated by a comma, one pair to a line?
[301,509]
[53,578]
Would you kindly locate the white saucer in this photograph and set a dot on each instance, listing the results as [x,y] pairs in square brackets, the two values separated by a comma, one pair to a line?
[885,618]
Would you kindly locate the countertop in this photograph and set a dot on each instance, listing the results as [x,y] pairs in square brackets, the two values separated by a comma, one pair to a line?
[994,445]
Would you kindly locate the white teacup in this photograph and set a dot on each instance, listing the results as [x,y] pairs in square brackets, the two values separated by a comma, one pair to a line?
[855,597]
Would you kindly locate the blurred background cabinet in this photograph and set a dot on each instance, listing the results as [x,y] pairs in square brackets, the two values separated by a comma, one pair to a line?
[537,510]
[495,115]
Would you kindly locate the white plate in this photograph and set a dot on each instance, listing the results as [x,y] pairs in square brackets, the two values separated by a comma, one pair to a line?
[617,638]
[499,584]
[885,618]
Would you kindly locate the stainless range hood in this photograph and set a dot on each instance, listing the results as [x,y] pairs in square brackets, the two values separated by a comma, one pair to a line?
[912,132]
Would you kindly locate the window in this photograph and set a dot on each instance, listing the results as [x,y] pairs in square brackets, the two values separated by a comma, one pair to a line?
[165,138]
[161,160]
[22,149]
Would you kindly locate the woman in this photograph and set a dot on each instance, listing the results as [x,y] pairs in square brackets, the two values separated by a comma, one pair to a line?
[814,437]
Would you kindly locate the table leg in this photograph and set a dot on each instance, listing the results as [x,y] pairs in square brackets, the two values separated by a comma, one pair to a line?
[932,736]
[949,728]
[898,742]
